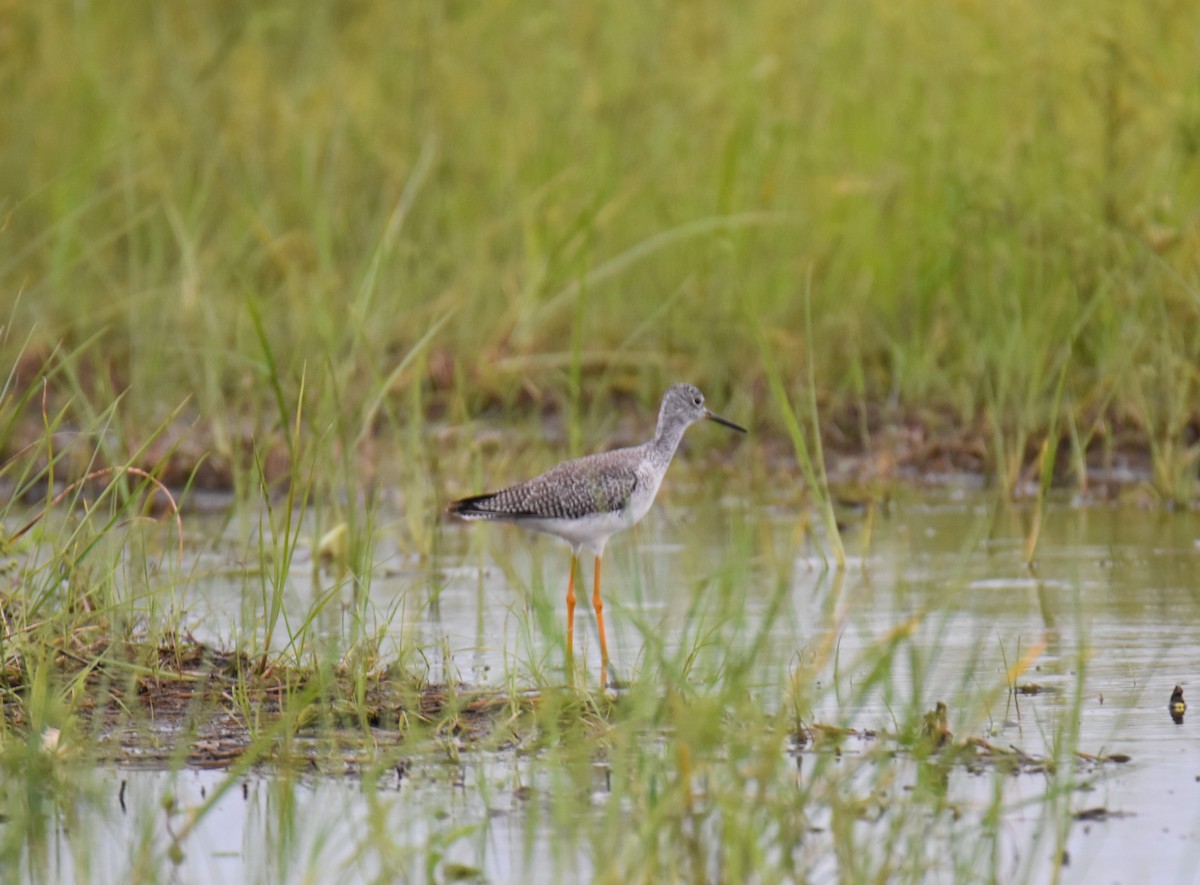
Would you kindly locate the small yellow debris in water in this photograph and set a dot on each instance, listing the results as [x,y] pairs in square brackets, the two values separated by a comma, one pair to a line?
[334,545]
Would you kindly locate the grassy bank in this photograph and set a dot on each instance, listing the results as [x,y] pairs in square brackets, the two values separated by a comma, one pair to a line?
[562,207]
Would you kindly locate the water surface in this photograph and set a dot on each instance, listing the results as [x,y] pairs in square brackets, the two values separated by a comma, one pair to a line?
[1110,606]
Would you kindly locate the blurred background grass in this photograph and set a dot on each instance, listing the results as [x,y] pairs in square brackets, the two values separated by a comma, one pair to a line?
[599,199]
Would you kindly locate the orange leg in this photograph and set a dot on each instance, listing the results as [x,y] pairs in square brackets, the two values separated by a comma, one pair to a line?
[571,615]
[598,604]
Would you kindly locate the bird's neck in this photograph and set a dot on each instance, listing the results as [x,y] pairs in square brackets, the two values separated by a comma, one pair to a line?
[666,439]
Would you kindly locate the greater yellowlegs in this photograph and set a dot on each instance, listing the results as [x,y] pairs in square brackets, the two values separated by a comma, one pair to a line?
[587,500]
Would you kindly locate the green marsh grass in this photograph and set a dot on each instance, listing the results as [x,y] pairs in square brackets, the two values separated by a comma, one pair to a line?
[811,463]
[376,182]
[1047,458]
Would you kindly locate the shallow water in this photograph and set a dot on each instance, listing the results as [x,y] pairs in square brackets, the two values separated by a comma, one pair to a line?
[1113,595]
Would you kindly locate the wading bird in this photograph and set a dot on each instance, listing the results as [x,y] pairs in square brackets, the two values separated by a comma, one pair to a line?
[587,500]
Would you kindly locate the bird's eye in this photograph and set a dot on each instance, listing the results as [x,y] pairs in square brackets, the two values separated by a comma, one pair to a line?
[699,401]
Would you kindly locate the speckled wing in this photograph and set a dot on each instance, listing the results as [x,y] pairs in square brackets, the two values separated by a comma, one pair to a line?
[600,483]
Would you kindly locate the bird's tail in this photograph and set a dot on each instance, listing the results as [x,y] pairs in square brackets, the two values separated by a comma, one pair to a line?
[472,508]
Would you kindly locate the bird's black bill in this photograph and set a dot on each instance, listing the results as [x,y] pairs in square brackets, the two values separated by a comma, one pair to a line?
[739,428]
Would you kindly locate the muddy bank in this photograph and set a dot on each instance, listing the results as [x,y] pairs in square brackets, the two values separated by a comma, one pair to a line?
[862,446]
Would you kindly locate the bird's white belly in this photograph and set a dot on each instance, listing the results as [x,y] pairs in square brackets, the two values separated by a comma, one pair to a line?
[592,531]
